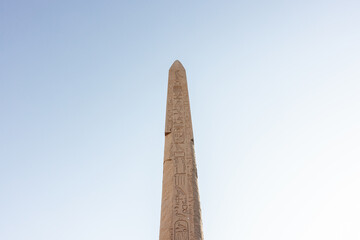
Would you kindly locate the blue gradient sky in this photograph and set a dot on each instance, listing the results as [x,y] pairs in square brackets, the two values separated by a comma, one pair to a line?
[274,89]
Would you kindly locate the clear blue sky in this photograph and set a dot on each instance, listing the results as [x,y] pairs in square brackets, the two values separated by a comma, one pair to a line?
[275,99]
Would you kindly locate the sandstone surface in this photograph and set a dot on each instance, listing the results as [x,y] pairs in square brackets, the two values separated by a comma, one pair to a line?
[180,206]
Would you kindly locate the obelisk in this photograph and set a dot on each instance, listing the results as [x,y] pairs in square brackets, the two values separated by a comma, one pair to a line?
[180,206]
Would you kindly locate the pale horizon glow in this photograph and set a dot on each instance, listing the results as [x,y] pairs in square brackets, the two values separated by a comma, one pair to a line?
[274,94]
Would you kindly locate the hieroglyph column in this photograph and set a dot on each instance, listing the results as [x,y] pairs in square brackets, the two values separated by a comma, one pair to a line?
[180,206]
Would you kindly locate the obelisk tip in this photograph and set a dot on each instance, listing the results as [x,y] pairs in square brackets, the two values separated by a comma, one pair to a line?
[176,65]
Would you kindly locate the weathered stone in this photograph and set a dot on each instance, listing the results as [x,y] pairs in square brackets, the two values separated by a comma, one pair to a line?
[180,207]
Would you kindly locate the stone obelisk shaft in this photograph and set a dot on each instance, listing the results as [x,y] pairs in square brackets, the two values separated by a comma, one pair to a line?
[180,206]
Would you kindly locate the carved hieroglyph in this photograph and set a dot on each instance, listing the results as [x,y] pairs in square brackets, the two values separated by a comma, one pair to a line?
[180,206]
